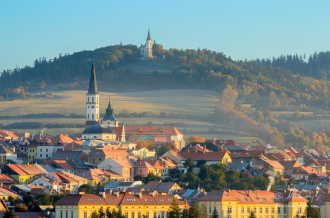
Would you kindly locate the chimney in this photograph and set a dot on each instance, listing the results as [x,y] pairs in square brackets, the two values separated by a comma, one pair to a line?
[140,194]
[28,164]
[14,149]
[1,184]
[117,193]
[228,191]
[110,191]
[103,194]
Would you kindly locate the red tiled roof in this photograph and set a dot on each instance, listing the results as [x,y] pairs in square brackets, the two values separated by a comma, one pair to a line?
[152,130]
[97,174]
[4,178]
[288,165]
[63,164]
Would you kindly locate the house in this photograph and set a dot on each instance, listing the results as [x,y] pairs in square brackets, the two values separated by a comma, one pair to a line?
[318,178]
[98,176]
[210,157]
[159,134]
[125,185]
[143,168]
[22,173]
[70,155]
[68,182]
[143,153]
[6,192]
[162,187]
[316,166]
[6,154]
[240,203]
[161,168]
[7,181]
[32,153]
[98,155]
[122,167]
[44,181]
[150,205]
[302,172]
[273,165]
[46,148]
[8,135]
[289,166]
[191,195]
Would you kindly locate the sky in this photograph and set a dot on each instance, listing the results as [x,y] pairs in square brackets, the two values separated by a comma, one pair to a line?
[245,29]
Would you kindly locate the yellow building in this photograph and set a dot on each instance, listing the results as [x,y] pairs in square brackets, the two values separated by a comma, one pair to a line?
[265,204]
[132,206]
[143,153]
[32,153]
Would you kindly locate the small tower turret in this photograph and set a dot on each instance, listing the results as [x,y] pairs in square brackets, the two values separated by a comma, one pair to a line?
[109,118]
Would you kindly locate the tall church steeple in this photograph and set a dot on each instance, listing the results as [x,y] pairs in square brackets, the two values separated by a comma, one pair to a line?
[92,100]
[149,37]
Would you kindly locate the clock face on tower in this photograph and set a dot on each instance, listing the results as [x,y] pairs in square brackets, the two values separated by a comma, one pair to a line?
[92,106]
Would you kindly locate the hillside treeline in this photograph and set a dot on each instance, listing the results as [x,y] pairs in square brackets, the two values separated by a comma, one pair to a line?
[316,65]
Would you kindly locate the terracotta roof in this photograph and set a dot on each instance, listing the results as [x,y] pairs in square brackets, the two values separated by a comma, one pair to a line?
[10,134]
[64,139]
[97,174]
[4,178]
[288,165]
[275,164]
[304,170]
[152,130]
[124,162]
[66,177]
[25,169]
[142,163]
[63,164]
[325,163]
[6,191]
[242,196]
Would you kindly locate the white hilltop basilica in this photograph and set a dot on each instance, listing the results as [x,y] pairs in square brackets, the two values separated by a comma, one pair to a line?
[108,129]
[146,50]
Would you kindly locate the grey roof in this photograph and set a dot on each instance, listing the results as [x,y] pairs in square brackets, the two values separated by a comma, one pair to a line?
[238,166]
[24,188]
[98,129]
[64,155]
[112,184]
[234,148]
[46,168]
[306,187]
[4,150]
[125,183]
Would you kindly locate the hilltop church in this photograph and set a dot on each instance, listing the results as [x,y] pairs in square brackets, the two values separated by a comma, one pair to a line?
[108,128]
[146,50]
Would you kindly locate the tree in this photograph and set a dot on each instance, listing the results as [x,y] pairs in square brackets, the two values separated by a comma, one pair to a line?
[190,164]
[8,214]
[95,214]
[252,215]
[102,213]
[194,210]
[174,211]
[163,149]
[85,188]
[195,138]
[203,213]
[138,178]
[311,211]
[185,213]
[204,172]
[21,208]
[215,213]
[200,163]
[152,177]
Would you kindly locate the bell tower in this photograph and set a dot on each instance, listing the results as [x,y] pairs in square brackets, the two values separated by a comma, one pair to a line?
[92,100]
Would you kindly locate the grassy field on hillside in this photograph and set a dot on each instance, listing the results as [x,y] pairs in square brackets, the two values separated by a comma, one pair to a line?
[187,101]
[149,66]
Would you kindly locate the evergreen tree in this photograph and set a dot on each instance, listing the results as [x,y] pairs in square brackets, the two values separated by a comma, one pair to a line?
[215,213]
[8,214]
[310,211]
[185,214]
[174,211]
[194,211]
[95,214]
[102,213]
[252,215]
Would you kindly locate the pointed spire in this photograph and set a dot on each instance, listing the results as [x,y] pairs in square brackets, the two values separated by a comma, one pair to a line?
[92,82]
[149,37]
[109,113]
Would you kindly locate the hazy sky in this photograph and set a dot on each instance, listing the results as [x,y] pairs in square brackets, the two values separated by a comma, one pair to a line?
[31,29]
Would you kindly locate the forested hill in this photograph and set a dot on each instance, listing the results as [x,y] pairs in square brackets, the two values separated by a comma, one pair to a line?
[316,65]
[258,84]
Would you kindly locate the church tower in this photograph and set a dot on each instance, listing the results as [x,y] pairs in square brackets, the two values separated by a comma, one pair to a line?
[109,119]
[92,100]
[148,46]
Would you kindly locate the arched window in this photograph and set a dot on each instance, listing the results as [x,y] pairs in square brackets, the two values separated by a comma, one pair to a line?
[92,116]
[92,99]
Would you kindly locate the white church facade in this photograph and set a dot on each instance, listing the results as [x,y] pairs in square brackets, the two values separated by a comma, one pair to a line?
[146,50]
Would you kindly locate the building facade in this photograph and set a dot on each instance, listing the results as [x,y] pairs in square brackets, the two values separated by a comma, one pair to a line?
[92,100]
[146,50]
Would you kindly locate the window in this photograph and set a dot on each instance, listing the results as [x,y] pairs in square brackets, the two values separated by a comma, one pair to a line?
[140,171]
[210,209]
[155,215]
[248,210]
[273,210]
[71,213]
[92,99]
[100,160]
[66,214]
[40,155]
[85,214]
[260,210]
[242,209]
[40,150]
[147,214]
[126,215]
[229,209]
[92,116]
[255,209]
[88,99]
[139,214]
[266,210]
[284,209]
[132,215]
[279,210]
[46,155]
[61,214]
[163,214]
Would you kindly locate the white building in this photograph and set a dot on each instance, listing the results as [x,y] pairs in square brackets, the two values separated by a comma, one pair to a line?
[92,100]
[47,151]
[146,50]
